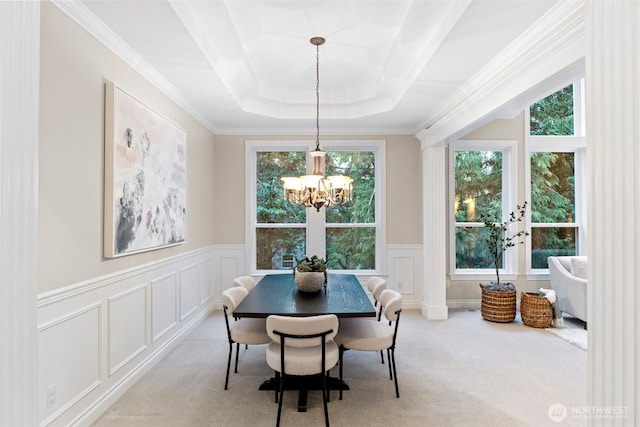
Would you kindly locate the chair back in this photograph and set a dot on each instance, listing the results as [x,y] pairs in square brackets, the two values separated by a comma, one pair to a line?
[304,328]
[232,297]
[376,285]
[246,282]
[391,302]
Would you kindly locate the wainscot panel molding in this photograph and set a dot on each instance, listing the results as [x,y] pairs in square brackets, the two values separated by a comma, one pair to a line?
[164,305]
[189,282]
[404,275]
[127,326]
[229,263]
[404,263]
[98,337]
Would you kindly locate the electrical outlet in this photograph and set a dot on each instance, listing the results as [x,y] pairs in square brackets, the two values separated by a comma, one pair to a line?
[51,395]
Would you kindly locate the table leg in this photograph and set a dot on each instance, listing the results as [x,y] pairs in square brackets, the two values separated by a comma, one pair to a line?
[303,385]
[302,400]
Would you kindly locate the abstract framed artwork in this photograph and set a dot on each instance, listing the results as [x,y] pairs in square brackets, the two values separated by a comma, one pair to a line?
[145,198]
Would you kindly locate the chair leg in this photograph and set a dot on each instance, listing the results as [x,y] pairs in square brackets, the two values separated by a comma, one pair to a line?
[382,356]
[281,399]
[324,400]
[340,357]
[395,373]
[389,359]
[237,352]
[277,389]
[226,381]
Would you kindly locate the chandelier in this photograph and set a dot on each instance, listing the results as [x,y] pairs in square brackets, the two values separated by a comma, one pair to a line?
[315,190]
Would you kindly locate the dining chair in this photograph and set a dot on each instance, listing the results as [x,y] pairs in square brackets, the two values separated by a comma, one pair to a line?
[246,331]
[246,282]
[376,285]
[302,346]
[365,335]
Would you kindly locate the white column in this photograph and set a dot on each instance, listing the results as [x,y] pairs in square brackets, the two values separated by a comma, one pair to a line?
[434,230]
[613,131]
[19,79]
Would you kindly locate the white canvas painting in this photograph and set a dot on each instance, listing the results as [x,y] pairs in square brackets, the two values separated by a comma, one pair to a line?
[145,177]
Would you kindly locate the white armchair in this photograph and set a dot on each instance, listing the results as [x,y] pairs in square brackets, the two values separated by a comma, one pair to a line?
[567,275]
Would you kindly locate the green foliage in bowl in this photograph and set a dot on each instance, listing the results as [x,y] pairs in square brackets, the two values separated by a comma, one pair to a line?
[314,264]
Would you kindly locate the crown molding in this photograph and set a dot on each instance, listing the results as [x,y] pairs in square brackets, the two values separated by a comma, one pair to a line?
[96,28]
[555,42]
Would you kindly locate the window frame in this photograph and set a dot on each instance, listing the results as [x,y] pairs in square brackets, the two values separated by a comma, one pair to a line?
[315,223]
[577,144]
[509,149]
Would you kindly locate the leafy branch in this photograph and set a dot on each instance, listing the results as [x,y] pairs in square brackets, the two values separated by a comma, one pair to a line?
[498,240]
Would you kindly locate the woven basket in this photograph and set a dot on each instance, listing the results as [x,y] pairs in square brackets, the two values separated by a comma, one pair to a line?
[498,306]
[535,310]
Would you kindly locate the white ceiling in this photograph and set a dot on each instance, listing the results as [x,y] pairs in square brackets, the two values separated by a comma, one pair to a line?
[247,67]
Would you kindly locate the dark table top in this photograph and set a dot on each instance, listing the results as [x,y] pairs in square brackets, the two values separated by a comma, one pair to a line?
[278,294]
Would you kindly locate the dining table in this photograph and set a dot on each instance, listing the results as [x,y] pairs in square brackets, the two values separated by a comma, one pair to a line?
[343,295]
[277,294]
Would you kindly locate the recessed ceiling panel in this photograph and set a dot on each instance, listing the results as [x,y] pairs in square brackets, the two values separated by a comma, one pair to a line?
[387,66]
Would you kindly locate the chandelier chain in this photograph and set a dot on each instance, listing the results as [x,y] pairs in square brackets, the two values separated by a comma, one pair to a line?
[317,97]
[315,190]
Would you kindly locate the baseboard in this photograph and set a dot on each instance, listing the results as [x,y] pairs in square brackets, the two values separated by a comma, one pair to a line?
[121,387]
[98,337]
[464,304]
[435,312]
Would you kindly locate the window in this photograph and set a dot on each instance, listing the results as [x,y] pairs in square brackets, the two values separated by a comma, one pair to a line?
[280,229]
[481,185]
[349,238]
[553,115]
[556,177]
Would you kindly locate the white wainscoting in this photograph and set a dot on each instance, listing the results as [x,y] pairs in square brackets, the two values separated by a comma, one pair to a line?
[98,337]
[405,273]
[230,260]
[127,329]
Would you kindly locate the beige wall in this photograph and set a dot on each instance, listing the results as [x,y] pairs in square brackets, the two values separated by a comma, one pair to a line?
[73,70]
[404,185]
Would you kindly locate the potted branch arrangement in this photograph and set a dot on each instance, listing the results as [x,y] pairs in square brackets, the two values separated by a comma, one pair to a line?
[310,274]
[499,298]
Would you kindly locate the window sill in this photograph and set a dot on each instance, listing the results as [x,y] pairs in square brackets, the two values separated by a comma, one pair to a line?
[538,277]
[483,277]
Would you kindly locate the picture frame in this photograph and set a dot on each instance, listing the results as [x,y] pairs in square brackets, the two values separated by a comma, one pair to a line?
[145,197]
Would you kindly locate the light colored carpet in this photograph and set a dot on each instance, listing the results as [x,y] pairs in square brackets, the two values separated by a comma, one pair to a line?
[460,372]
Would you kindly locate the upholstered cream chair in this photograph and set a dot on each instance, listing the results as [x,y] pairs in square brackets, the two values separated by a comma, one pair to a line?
[302,346]
[365,335]
[376,285]
[241,331]
[246,282]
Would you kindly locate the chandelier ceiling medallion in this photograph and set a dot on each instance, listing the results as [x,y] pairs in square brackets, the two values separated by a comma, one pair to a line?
[315,190]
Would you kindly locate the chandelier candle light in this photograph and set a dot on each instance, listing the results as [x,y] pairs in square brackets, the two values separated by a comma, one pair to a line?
[315,190]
